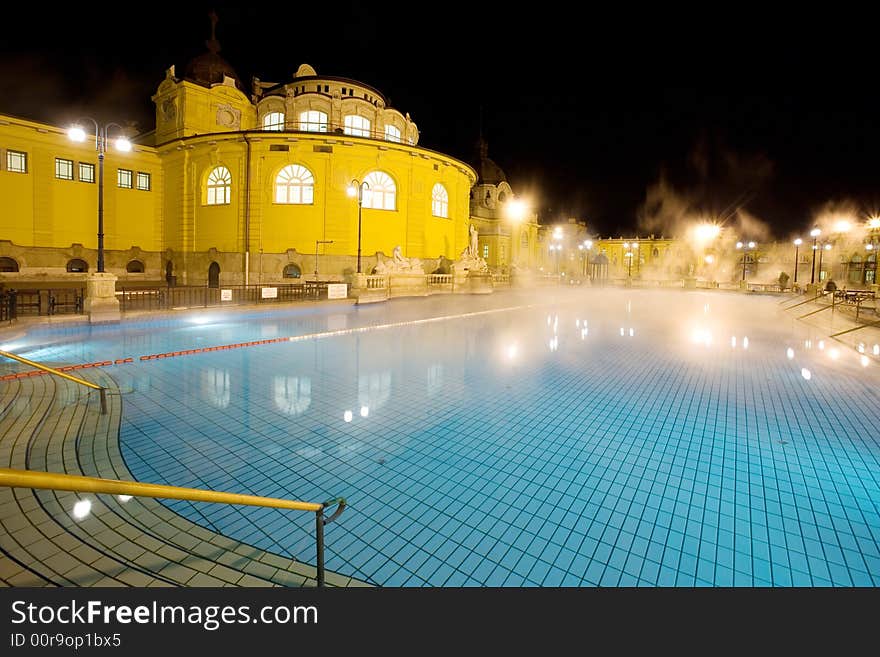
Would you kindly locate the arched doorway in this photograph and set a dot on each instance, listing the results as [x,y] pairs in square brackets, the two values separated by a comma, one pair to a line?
[77,265]
[8,265]
[170,278]
[214,275]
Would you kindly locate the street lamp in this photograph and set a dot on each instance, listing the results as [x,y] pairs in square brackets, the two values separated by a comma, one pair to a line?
[814,234]
[356,188]
[825,247]
[745,248]
[797,245]
[76,133]
[629,256]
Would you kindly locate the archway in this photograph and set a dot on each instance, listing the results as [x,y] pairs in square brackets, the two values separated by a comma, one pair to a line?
[214,275]
[170,278]
[8,265]
[77,265]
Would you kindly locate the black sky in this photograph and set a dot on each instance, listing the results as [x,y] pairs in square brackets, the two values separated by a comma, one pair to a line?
[583,109]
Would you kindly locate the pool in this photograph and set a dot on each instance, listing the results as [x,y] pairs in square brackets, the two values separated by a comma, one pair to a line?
[571,438]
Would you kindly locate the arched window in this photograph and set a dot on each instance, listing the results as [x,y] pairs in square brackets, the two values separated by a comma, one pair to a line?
[392,133]
[655,252]
[77,266]
[219,186]
[214,275]
[135,267]
[380,193]
[357,126]
[440,201]
[8,265]
[292,271]
[273,121]
[313,121]
[294,184]
[502,196]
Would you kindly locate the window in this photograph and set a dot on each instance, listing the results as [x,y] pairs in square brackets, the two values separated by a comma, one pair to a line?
[292,271]
[143,181]
[357,126]
[219,186]
[294,184]
[123,177]
[63,169]
[77,266]
[524,240]
[502,196]
[392,133]
[135,267]
[16,161]
[439,201]
[380,192]
[273,121]
[8,265]
[485,251]
[86,172]
[313,121]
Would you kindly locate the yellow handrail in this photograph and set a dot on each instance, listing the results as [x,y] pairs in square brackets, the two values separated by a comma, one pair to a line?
[63,375]
[81,484]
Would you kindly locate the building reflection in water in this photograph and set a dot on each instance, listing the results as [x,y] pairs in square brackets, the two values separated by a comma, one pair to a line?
[216,389]
[292,394]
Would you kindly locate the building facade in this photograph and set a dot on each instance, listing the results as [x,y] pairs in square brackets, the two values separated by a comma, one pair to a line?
[232,189]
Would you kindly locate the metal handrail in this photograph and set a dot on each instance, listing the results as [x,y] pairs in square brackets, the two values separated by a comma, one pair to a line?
[81,484]
[63,375]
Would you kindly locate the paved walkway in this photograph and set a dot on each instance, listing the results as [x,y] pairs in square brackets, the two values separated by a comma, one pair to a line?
[49,424]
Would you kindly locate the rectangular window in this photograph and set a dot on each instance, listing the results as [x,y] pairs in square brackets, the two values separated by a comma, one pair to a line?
[143,181]
[63,169]
[326,88]
[485,251]
[16,161]
[86,172]
[123,178]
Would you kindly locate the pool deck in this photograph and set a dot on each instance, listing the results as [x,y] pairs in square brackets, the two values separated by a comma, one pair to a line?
[49,424]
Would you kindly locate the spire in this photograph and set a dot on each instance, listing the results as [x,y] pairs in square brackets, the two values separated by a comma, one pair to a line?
[213,44]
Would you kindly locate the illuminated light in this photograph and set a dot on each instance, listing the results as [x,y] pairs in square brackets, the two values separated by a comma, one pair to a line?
[870,247]
[806,373]
[347,416]
[874,222]
[808,344]
[745,343]
[827,247]
[842,226]
[821,344]
[76,133]
[815,232]
[789,353]
[548,320]
[798,241]
[864,361]
[751,245]
[877,349]
[577,323]
[81,509]
[621,330]
[861,347]
[709,259]
[200,320]
[365,411]
[632,332]
[834,353]
[516,210]
[512,351]
[124,498]
[739,245]
[351,190]
[733,341]
[557,233]
[706,232]
[122,144]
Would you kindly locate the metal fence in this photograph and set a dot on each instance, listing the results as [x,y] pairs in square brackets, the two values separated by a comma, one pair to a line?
[35,302]
[192,296]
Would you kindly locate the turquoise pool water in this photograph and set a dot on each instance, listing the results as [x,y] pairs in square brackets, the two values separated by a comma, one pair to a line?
[614,438]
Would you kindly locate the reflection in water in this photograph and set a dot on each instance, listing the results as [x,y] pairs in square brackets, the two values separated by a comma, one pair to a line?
[215,387]
[292,394]
[435,379]
[374,389]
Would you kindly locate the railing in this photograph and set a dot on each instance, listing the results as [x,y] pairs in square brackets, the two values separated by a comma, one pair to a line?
[18,303]
[376,282]
[439,279]
[203,296]
[88,384]
[339,131]
[500,279]
[7,306]
[80,484]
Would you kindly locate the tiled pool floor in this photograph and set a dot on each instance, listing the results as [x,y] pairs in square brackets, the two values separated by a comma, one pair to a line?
[613,438]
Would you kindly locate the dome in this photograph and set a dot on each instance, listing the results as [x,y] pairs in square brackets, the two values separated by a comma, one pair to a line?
[488,173]
[209,68]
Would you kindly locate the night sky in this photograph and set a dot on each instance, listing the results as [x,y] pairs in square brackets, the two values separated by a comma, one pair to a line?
[625,120]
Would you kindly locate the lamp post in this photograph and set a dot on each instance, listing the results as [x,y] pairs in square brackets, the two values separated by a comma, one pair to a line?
[628,254]
[825,247]
[745,248]
[797,245]
[356,188]
[76,133]
[814,234]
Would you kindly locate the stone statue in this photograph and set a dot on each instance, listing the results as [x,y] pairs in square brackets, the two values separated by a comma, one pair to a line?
[470,258]
[474,249]
[398,264]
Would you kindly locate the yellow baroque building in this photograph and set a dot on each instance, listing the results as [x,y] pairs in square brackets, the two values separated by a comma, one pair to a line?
[230,189]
